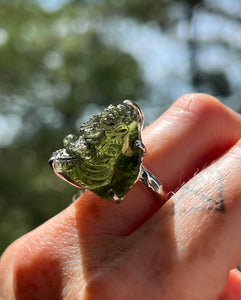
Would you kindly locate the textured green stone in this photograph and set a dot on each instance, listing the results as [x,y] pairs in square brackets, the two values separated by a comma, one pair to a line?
[106,157]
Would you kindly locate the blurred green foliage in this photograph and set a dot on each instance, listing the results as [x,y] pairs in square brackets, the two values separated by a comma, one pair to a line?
[49,72]
[61,61]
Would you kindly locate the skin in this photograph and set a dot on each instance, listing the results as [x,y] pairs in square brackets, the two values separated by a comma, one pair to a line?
[139,249]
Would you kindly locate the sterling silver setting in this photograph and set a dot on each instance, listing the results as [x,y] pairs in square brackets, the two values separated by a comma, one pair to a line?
[110,143]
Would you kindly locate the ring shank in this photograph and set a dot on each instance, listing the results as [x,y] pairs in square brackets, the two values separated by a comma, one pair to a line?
[151,182]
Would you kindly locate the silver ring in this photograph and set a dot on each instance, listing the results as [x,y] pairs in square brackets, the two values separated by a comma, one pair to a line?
[151,182]
[107,156]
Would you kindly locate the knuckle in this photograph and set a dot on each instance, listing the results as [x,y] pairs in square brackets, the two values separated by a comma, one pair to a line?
[200,106]
[235,152]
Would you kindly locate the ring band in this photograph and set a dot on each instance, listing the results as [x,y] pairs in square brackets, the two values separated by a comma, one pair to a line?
[150,181]
[152,184]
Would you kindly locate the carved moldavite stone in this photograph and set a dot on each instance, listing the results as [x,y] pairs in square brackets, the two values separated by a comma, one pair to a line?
[107,156]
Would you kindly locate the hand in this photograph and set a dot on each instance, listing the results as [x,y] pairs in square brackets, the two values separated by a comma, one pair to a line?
[185,249]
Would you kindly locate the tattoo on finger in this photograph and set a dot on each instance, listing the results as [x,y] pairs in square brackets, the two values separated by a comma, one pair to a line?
[203,197]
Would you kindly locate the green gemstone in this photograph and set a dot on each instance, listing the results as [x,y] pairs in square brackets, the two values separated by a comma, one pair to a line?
[106,158]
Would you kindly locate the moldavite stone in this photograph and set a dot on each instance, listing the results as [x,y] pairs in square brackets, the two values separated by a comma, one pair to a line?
[107,156]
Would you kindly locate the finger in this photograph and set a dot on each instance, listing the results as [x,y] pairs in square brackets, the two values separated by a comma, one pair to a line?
[45,263]
[193,132]
[7,261]
[198,229]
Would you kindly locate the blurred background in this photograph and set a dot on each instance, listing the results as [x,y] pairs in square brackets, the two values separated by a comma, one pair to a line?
[63,60]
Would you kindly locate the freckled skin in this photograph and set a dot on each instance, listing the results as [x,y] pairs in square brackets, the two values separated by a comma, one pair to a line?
[105,158]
